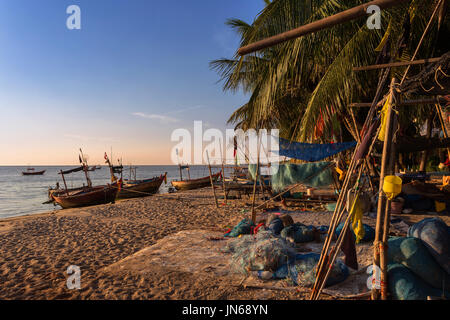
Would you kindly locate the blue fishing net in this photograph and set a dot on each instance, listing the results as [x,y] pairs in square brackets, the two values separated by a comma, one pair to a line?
[412,253]
[436,236]
[298,233]
[405,285]
[312,151]
[301,270]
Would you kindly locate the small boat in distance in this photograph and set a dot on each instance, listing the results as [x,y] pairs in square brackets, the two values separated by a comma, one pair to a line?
[33,172]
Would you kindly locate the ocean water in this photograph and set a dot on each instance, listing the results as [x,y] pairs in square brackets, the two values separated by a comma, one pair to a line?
[20,195]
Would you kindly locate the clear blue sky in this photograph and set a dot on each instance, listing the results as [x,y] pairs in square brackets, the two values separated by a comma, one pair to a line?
[135,71]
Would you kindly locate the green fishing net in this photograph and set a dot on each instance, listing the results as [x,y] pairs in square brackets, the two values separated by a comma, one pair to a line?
[314,174]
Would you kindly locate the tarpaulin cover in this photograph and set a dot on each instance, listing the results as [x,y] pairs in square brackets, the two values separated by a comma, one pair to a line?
[315,174]
[312,151]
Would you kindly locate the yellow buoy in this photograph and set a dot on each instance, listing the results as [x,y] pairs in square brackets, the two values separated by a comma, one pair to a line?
[392,186]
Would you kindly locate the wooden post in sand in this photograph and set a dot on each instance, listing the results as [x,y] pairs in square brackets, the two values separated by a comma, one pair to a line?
[254,189]
[211,179]
[379,244]
[223,175]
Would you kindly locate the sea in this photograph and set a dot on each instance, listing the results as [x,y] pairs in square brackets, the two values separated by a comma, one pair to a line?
[21,195]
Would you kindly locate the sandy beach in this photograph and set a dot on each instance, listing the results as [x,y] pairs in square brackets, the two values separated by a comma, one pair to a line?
[37,249]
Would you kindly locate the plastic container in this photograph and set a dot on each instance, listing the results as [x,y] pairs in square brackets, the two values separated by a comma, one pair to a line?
[392,186]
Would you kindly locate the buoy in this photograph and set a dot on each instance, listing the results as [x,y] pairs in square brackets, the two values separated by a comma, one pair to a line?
[392,186]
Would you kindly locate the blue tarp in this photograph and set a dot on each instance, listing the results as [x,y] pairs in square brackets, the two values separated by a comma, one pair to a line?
[311,151]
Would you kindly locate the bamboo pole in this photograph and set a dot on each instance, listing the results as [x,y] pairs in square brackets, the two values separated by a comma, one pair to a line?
[341,17]
[396,64]
[381,199]
[335,250]
[401,103]
[254,188]
[366,164]
[387,213]
[337,214]
[421,39]
[223,175]
[212,182]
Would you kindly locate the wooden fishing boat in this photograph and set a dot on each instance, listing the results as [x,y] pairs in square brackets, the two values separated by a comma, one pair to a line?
[86,197]
[140,188]
[33,172]
[195,183]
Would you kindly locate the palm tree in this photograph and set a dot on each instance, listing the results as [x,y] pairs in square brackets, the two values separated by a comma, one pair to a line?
[304,86]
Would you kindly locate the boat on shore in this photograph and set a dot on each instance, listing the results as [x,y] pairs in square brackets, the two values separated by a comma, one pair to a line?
[86,196]
[33,172]
[140,188]
[195,183]
[133,188]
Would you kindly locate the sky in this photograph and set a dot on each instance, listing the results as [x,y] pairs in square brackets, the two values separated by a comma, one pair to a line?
[133,73]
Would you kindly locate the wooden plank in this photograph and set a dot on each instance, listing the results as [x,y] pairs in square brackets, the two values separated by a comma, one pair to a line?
[395,64]
[402,103]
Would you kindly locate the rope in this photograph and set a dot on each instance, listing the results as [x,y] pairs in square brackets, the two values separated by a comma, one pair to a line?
[421,39]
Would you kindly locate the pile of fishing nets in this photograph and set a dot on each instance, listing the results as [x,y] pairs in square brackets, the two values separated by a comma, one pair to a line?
[258,252]
[436,236]
[301,270]
[415,269]
[298,233]
[243,227]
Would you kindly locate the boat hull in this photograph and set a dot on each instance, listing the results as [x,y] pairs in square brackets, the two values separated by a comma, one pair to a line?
[33,173]
[141,189]
[92,196]
[196,183]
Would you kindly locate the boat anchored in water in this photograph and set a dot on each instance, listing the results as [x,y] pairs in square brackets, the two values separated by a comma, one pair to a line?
[33,172]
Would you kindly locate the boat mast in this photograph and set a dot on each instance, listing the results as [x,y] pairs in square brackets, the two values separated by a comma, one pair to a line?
[85,166]
[64,180]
